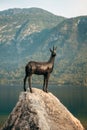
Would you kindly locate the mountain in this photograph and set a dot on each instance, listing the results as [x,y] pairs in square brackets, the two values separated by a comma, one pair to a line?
[16,24]
[71,38]
[27,34]
[40,111]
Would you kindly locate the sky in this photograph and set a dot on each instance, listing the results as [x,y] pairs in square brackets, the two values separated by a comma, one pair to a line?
[66,8]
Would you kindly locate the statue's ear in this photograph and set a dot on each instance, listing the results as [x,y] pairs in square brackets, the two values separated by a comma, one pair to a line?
[50,50]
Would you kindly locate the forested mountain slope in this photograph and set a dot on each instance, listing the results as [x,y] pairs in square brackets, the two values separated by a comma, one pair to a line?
[27,34]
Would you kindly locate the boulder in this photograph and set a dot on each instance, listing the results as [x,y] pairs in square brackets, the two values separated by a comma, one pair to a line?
[40,111]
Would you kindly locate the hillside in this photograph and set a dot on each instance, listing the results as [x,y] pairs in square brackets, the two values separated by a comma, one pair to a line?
[16,24]
[27,34]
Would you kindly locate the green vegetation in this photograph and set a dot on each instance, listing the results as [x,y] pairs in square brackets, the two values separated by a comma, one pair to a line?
[27,34]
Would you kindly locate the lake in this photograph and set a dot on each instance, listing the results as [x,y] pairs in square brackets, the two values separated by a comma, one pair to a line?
[73,97]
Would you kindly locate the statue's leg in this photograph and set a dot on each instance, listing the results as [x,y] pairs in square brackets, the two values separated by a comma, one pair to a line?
[29,80]
[47,79]
[44,83]
[25,83]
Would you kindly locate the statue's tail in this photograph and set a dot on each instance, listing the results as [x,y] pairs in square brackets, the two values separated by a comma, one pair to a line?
[26,75]
[25,83]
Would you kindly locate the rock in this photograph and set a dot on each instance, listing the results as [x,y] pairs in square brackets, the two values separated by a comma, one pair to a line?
[40,111]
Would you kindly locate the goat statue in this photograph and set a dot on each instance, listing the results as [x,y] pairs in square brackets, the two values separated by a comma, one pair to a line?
[40,68]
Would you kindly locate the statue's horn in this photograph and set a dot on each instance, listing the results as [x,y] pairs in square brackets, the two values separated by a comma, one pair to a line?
[53,47]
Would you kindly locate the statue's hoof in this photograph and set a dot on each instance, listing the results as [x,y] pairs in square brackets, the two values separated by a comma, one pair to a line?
[46,91]
[43,90]
[31,90]
[24,90]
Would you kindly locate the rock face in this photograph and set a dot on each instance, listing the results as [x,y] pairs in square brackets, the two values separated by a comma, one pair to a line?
[40,111]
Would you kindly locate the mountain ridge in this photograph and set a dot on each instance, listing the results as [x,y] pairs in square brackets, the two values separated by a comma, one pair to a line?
[24,38]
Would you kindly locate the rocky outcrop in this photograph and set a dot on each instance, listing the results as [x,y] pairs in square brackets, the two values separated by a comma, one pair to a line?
[40,111]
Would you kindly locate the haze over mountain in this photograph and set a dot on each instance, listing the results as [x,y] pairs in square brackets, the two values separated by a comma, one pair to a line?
[27,34]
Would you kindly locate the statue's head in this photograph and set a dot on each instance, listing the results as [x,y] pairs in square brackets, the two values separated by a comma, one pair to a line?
[53,51]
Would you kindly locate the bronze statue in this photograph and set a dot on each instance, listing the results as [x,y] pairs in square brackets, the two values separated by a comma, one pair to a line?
[40,68]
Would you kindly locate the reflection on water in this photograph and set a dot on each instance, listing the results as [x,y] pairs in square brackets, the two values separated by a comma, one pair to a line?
[74,98]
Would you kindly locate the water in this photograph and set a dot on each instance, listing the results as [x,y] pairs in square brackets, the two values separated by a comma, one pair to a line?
[73,97]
